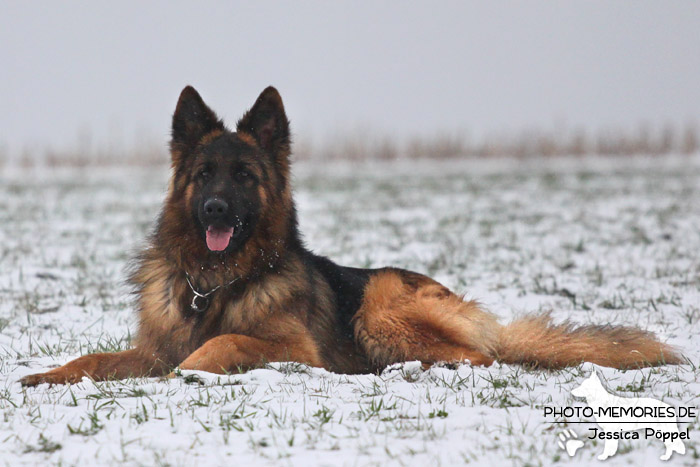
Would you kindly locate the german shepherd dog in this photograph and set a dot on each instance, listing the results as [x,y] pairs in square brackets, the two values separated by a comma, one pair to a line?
[226,283]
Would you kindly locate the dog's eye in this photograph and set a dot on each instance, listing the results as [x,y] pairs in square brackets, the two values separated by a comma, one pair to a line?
[204,174]
[242,176]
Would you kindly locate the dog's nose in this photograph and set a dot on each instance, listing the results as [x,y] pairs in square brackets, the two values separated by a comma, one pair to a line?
[215,209]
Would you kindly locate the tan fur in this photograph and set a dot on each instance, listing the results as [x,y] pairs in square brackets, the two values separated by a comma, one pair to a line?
[101,366]
[260,311]
[212,135]
[405,317]
[415,318]
[230,352]
[189,193]
[246,138]
[536,341]
[259,302]
[263,195]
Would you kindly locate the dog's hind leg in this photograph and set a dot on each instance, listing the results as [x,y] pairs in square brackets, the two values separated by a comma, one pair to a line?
[407,316]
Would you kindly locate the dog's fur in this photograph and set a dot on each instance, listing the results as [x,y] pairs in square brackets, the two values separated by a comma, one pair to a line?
[286,303]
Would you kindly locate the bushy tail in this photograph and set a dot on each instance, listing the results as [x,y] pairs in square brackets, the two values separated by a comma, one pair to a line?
[535,341]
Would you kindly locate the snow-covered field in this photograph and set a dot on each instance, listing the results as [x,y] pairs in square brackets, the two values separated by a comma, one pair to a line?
[595,241]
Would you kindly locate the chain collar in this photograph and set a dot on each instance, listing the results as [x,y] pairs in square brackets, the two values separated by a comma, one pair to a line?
[201,301]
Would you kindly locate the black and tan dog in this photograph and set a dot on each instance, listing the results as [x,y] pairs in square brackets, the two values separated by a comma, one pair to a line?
[226,284]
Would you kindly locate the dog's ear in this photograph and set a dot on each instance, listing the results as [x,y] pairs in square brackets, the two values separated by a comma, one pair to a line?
[267,123]
[192,120]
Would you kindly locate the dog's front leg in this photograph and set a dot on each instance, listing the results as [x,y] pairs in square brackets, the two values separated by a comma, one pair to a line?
[102,366]
[234,352]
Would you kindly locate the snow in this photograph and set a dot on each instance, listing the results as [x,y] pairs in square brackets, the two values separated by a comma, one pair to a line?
[593,240]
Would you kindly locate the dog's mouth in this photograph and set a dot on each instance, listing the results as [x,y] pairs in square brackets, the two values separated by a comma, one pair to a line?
[218,238]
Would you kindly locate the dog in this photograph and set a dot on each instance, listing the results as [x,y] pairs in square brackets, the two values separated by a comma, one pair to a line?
[226,284]
[598,397]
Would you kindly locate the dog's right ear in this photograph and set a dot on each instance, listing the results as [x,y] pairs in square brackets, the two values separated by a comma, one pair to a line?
[192,120]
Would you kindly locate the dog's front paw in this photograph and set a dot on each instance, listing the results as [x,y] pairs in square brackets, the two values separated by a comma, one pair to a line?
[36,379]
[50,377]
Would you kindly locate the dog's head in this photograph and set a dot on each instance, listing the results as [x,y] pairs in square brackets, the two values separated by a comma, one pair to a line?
[228,187]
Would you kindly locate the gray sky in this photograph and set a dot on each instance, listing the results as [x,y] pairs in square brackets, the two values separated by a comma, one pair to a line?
[115,69]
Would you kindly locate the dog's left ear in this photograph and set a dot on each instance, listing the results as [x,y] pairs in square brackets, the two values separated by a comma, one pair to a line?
[267,122]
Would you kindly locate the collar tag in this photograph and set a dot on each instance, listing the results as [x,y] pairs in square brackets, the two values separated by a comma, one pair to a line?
[199,303]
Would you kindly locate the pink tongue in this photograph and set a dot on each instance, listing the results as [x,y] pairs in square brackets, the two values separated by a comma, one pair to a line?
[217,239]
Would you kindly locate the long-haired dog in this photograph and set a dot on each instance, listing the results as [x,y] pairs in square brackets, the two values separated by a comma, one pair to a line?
[226,284]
